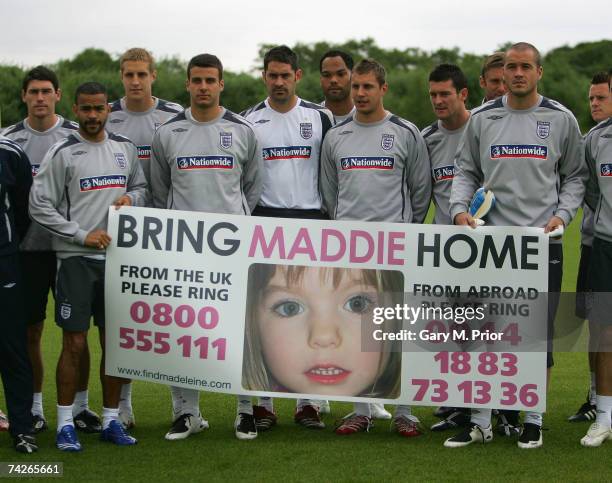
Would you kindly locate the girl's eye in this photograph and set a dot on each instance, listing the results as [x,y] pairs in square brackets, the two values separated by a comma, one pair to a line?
[288,308]
[358,304]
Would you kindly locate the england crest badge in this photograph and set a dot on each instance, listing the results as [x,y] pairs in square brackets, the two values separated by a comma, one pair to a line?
[543,129]
[65,311]
[386,142]
[306,130]
[225,139]
[120,160]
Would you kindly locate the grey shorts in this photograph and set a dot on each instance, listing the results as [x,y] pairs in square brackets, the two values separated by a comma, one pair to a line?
[79,293]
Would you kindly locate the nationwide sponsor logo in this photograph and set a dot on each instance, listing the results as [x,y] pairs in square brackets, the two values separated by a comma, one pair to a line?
[495,118]
[116,121]
[179,129]
[65,311]
[204,162]
[120,160]
[605,169]
[286,152]
[535,151]
[35,169]
[543,129]
[79,153]
[225,139]
[306,130]
[443,173]
[144,152]
[103,182]
[262,121]
[343,133]
[386,141]
[367,162]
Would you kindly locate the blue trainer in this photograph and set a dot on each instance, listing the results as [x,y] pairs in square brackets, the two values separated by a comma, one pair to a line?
[66,439]
[116,434]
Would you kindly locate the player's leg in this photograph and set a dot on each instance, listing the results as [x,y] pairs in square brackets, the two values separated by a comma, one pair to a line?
[586,412]
[307,414]
[264,414]
[478,431]
[126,412]
[15,367]
[188,419]
[244,425]
[405,423]
[72,314]
[85,419]
[601,284]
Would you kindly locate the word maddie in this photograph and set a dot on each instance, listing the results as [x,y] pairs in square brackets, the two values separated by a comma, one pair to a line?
[412,314]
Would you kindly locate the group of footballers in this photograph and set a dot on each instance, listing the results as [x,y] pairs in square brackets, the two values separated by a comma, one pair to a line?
[344,159]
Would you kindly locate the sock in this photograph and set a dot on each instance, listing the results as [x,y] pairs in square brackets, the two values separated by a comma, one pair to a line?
[37,407]
[593,390]
[81,402]
[64,417]
[191,402]
[267,402]
[177,401]
[481,417]
[125,401]
[108,415]
[533,418]
[244,405]
[362,409]
[604,410]
[300,403]
[402,410]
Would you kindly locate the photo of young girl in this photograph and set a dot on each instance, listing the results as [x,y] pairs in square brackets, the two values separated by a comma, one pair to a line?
[304,328]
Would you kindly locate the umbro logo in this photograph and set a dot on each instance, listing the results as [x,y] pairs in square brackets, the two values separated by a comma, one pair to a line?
[116,121]
[262,121]
[345,132]
[78,153]
[495,118]
[555,261]
[606,136]
[20,140]
[434,143]
[179,129]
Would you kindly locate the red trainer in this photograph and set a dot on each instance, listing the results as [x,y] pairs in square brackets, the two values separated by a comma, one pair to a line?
[264,419]
[408,426]
[309,417]
[354,423]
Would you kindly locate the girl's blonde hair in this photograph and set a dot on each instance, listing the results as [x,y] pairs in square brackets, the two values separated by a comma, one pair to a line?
[389,284]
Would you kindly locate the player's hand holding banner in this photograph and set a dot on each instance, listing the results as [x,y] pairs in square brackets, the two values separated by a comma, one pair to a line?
[354,311]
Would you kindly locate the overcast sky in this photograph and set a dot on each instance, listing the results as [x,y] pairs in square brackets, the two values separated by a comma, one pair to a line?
[34,32]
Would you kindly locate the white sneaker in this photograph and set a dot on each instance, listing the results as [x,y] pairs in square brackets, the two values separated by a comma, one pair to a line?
[596,435]
[186,425]
[472,434]
[126,418]
[324,407]
[378,411]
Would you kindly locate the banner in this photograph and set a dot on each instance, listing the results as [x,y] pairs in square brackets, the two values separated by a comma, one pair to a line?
[350,311]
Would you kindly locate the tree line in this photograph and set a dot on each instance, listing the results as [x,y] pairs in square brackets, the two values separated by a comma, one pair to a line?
[567,75]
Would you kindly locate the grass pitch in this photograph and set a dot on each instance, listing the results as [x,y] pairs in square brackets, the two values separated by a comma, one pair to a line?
[289,452]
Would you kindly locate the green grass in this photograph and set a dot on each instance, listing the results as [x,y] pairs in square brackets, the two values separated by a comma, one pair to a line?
[292,453]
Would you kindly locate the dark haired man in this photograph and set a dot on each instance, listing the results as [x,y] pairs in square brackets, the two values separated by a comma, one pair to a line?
[36,134]
[206,159]
[539,182]
[600,103]
[335,68]
[79,178]
[375,155]
[290,131]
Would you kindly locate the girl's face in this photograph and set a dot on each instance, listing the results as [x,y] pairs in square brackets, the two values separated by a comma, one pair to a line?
[311,332]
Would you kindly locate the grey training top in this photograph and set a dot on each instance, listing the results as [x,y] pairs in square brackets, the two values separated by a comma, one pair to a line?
[139,127]
[36,144]
[213,166]
[442,146]
[599,187]
[532,159]
[376,171]
[77,182]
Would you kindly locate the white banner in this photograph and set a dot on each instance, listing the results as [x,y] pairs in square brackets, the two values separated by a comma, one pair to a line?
[351,311]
